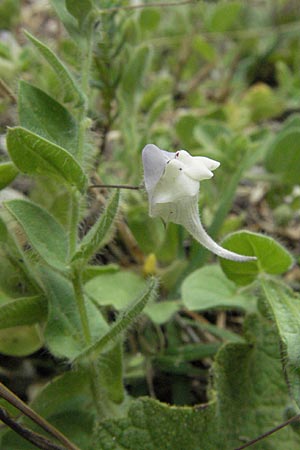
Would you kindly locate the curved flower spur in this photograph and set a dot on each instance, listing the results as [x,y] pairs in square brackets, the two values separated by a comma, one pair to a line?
[172,181]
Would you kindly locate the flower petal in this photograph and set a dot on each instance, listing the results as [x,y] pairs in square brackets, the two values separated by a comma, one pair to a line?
[154,162]
[193,225]
[197,167]
[174,184]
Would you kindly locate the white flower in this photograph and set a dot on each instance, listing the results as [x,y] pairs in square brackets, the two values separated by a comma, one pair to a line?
[172,181]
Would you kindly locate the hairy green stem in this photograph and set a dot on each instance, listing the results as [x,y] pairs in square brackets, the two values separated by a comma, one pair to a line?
[98,395]
[123,322]
[74,222]
[75,199]
[78,290]
[100,398]
[85,73]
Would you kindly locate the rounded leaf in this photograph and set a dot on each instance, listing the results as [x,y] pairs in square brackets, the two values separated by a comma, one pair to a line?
[116,289]
[208,288]
[272,258]
[20,341]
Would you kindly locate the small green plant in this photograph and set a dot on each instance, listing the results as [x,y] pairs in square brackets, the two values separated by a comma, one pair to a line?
[72,286]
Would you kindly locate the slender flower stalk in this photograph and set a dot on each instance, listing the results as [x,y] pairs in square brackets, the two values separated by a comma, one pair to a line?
[172,181]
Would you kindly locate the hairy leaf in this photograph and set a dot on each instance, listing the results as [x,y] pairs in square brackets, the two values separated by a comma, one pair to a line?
[134,72]
[23,311]
[79,10]
[68,20]
[72,92]
[47,237]
[63,332]
[99,234]
[286,314]
[123,322]
[67,395]
[41,114]
[35,155]
[249,398]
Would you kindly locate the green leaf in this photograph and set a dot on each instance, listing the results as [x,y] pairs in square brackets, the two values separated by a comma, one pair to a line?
[221,333]
[70,23]
[76,425]
[10,11]
[149,19]
[272,257]
[158,107]
[190,352]
[20,341]
[111,373]
[8,173]
[162,312]
[224,16]
[67,395]
[62,394]
[286,315]
[47,237]
[41,114]
[293,121]
[72,92]
[206,50]
[115,289]
[251,388]
[134,71]
[99,235]
[208,288]
[283,156]
[249,397]
[79,10]
[35,155]
[125,319]
[91,271]
[63,331]
[185,127]
[23,311]
[14,280]
[3,230]
[262,102]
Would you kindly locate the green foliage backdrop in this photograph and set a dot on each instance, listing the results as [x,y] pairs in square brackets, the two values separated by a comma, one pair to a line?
[133,335]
